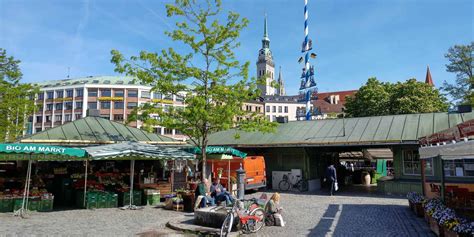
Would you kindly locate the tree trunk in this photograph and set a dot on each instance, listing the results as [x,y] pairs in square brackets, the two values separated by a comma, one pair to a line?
[204,158]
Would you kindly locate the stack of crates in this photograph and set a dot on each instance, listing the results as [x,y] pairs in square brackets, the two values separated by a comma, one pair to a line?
[125,198]
[46,205]
[91,200]
[152,197]
[97,199]
[6,205]
[33,204]
[112,200]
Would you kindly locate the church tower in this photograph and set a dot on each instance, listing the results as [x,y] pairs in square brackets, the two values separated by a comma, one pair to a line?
[281,85]
[265,65]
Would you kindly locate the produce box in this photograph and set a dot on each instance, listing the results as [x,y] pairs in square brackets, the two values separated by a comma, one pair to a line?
[17,203]
[33,204]
[46,205]
[124,198]
[112,200]
[153,199]
[6,205]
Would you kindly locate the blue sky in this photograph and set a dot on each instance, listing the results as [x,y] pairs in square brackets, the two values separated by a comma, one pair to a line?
[393,40]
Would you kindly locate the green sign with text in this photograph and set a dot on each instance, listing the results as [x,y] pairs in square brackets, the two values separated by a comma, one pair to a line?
[40,149]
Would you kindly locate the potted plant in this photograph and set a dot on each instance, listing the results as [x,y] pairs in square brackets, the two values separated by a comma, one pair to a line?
[415,201]
[463,228]
[434,208]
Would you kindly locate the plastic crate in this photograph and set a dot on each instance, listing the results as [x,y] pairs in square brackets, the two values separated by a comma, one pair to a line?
[33,204]
[153,199]
[125,198]
[112,200]
[6,205]
[17,202]
[46,205]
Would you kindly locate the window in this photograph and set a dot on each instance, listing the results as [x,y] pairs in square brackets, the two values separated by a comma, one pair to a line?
[459,168]
[118,105]
[146,94]
[268,118]
[178,132]
[131,105]
[69,93]
[167,97]
[40,107]
[411,162]
[105,104]
[50,95]
[132,93]
[274,109]
[48,118]
[78,104]
[280,109]
[168,131]
[268,109]
[78,116]
[92,105]
[79,92]
[105,116]
[179,98]
[49,107]
[105,93]
[58,118]
[41,96]
[258,109]
[118,117]
[286,109]
[118,93]
[68,105]
[274,118]
[38,129]
[156,95]
[59,106]
[59,94]
[68,117]
[92,92]
[39,119]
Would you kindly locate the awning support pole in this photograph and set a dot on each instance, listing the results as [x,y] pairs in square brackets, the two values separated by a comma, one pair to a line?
[85,184]
[24,205]
[423,177]
[442,179]
[228,177]
[130,206]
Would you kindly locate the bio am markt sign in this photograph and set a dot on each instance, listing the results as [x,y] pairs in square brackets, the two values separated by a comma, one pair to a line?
[41,149]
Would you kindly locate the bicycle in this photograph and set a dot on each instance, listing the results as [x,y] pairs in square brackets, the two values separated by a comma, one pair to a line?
[300,184]
[250,220]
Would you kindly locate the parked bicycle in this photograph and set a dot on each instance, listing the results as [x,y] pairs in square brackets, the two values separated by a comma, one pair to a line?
[286,184]
[250,220]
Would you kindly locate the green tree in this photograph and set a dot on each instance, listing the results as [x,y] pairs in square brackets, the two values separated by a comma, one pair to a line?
[376,98]
[461,63]
[16,103]
[214,83]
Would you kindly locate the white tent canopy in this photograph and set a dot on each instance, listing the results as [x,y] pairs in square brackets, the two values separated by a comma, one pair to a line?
[460,150]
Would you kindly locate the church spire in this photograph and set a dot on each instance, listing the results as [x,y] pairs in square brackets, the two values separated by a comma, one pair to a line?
[281,85]
[428,79]
[266,39]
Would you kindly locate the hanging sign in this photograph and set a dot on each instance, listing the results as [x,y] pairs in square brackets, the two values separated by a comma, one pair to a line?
[40,149]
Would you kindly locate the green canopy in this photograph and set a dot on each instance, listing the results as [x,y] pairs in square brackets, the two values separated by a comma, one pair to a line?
[219,150]
[137,151]
[25,151]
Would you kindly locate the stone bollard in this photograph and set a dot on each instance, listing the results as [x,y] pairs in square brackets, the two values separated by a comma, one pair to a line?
[240,182]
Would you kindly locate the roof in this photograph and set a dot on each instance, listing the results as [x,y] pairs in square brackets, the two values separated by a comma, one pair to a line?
[131,150]
[428,79]
[342,94]
[326,107]
[95,130]
[378,130]
[100,80]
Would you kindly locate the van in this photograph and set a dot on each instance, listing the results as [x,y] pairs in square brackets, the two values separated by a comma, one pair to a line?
[254,166]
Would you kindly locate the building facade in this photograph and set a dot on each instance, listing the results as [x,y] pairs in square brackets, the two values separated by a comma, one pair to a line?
[331,104]
[114,98]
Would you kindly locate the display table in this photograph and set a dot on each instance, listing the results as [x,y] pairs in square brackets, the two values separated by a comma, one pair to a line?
[163,186]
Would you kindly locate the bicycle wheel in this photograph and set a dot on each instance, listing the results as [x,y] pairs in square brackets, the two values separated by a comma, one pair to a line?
[284,185]
[260,213]
[227,225]
[302,185]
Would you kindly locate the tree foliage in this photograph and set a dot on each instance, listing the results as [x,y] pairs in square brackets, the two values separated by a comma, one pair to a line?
[460,59]
[15,103]
[212,81]
[382,98]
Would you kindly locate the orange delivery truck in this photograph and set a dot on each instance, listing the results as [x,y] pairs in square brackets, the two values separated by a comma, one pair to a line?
[254,166]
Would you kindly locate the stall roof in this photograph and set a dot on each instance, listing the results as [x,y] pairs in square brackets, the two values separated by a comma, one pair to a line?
[95,130]
[453,151]
[135,150]
[377,130]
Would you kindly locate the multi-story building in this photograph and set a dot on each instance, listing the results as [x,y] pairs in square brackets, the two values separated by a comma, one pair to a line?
[331,104]
[114,98]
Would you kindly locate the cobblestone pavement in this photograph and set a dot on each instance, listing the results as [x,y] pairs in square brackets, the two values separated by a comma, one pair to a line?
[305,215]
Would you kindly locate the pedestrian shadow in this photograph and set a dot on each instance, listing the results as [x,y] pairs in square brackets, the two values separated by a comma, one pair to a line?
[369,220]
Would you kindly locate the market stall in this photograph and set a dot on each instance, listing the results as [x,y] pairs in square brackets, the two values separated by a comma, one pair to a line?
[30,153]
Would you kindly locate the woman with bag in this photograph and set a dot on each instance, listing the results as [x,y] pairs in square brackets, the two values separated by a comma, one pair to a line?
[273,210]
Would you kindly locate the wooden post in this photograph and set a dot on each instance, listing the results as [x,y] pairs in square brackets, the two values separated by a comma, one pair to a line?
[442,179]
[423,177]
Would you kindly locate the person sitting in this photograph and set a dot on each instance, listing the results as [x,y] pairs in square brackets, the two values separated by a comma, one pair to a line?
[220,194]
[273,211]
[202,194]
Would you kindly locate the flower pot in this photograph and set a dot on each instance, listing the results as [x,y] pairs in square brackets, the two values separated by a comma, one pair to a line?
[435,227]
[411,205]
[450,233]
[419,211]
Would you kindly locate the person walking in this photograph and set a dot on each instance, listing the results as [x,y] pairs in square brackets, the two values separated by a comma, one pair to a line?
[331,177]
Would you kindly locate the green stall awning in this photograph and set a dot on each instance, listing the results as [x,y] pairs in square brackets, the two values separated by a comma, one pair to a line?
[227,150]
[25,151]
[137,151]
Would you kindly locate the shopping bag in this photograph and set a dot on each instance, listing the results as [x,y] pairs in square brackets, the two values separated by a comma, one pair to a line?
[336,187]
[279,219]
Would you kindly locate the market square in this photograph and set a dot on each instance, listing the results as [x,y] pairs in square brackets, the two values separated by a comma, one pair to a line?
[236,118]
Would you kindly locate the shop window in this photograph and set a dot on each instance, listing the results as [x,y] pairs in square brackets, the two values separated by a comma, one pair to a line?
[118,93]
[459,168]
[59,106]
[280,109]
[131,105]
[92,105]
[50,95]
[286,109]
[411,162]
[105,93]
[267,109]
[59,94]
[145,94]
[105,105]
[41,96]
[92,92]
[68,105]
[78,104]
[68,117]
[78,116]
[132,93]
[79,92]
[69,93]
[118,117]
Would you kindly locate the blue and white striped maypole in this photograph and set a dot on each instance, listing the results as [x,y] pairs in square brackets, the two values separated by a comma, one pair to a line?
[308,86]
